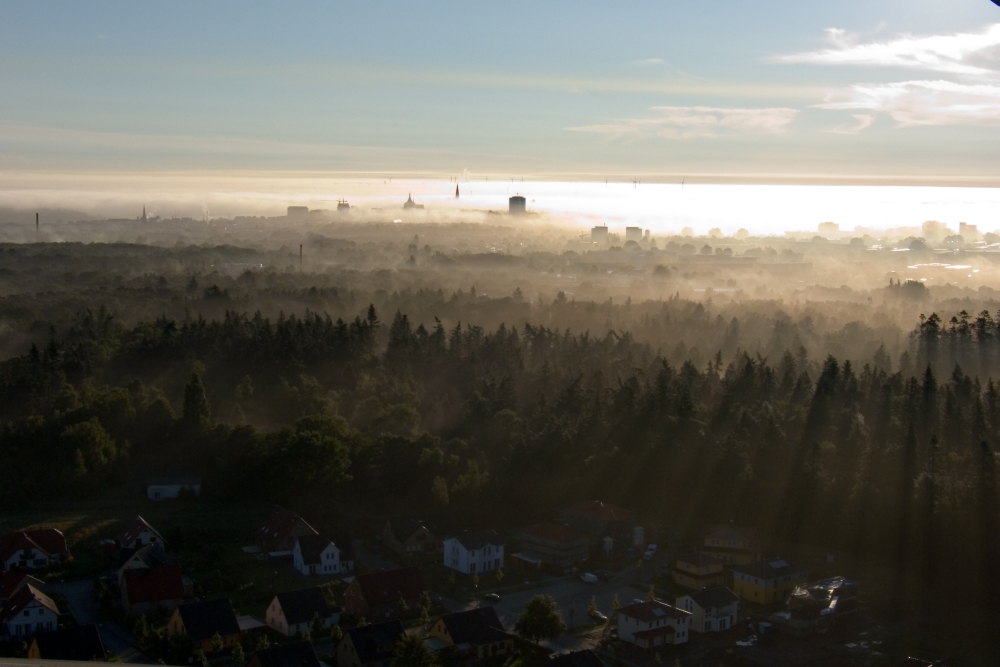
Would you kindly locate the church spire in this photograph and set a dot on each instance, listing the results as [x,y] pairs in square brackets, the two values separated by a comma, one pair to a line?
[456,191]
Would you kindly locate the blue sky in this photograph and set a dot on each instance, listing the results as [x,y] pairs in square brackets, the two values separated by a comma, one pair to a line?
[867,88]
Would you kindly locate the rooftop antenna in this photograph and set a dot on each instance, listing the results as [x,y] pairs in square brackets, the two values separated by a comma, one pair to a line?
[682,184]
[636,182]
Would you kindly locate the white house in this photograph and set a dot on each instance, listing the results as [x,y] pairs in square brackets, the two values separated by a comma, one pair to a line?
[474,552]
[315,554]
[713,609]
[137,533]
[164,488]
[28,612]
[652,624]
[32,549]
[295,611]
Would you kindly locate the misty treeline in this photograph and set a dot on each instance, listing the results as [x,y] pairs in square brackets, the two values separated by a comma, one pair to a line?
[368,417]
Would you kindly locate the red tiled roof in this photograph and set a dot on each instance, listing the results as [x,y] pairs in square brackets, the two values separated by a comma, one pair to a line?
[386,587]
[595,509]
[11,582]
[52,541]
[48,540]
[153,584]
[554,532]
[25,597]
[653,610]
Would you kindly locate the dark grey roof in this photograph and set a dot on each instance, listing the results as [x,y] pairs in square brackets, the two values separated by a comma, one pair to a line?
[202,620]
[376,642]
[81,643]
[342,539]
[714,597]
[151,555]
[701,560]
[585,658]
[302,605]
[477,627]
[299,654]
[439,525]
[769,569]
[312,547]
[480,539]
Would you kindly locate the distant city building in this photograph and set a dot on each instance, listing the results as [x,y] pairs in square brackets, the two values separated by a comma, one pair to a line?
[342,205]
[828,228]
[645,236]
[934,230]
[456,191]
[297,210]
[967,231]
[409,203]
[144,214]
[599,234]
[633,234]
[517,205]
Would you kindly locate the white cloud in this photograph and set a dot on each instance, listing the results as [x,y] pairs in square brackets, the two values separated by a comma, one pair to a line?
[646,62]
[862,121]
[969,54]
[914,103]
[696,122]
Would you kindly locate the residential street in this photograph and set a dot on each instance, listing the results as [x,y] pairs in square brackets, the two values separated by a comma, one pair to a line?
[79,595]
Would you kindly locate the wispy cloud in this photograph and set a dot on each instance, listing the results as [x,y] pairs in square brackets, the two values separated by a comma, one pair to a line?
[696,122]
[966,53]
[646,62]
[862,121]
[914,103]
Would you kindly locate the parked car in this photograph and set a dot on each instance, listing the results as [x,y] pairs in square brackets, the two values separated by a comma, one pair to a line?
[492,597]
[598,616]
[605,575]
[589,578]
[650,552]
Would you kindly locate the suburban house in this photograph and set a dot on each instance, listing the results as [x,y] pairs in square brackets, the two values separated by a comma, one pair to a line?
[148,588]
[293,612]
[699,571]
[735,545]
[714,609]
[474,633]
[556,543]
[137,533]
[409,535]
[315,554]
[164,488]
[652,624]
[27,613]
[82,643]
[384,594]
[280,531]
[299,654]
[584,658]
[201,621]
[148,556]
[765,582]
[597,519]
[369,645]
[474,552]
[32,549]
[12,582]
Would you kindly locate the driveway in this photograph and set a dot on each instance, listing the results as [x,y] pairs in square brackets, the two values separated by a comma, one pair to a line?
[82,605]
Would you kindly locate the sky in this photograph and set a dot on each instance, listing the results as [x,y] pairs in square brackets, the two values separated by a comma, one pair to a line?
[771,90]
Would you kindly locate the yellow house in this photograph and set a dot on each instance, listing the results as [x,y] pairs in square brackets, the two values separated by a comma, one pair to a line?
[202,621]
[476,633]
[735,545]
[766,582]
[697,571]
